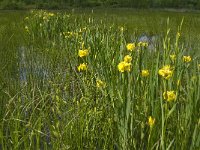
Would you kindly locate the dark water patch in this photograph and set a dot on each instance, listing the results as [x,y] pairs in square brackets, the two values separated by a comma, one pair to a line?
[31,66]
[152,40]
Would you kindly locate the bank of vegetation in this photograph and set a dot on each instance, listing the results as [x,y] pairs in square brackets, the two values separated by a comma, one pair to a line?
[62,4]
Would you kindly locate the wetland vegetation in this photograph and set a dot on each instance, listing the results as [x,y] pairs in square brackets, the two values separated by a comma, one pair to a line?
[99,79]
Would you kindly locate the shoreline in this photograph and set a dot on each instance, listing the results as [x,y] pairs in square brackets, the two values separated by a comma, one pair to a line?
[178,10]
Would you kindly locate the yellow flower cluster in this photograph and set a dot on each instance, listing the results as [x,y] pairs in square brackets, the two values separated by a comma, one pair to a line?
[69,34]
[151,121]
[100,84]
[51,14]
[82,29]
[145,73]
[126,64]
[83,53]
[169,95]
[187,58]
[142,44]
[166,72]
[45,15]
[130,46]
[128,58]
[82,67]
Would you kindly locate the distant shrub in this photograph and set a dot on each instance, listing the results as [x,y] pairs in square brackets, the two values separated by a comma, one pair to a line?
[41,5]
[198,5]
[60,4]
[53,5]
[12,5]
[113,3]
[90,4]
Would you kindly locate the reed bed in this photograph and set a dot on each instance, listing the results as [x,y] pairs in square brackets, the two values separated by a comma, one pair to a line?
[85,83]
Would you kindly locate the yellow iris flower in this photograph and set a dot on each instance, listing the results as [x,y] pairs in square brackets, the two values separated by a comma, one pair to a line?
[82,67]
[145,73]
[187,58]
[130,46]
[127,59]
[169,95]
[166,72]
[151,121]
[100,84]
[83,53]
[124,66]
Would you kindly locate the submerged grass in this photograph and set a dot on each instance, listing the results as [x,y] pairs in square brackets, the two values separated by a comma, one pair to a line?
[73,83]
